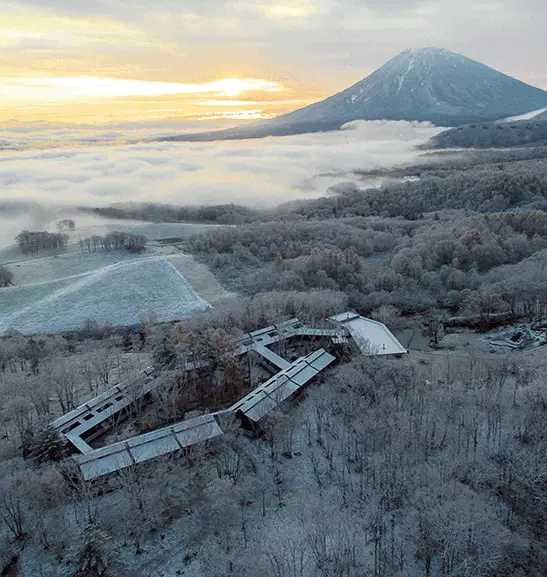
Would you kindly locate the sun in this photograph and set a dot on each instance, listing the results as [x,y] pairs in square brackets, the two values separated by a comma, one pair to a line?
[74,88]
[51,98]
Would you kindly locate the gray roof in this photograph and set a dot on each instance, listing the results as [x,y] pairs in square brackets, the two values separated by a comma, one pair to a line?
[148,446]
[268,396]
[292,376]
[97,410]
[76,423]
[274,358]
[95,463]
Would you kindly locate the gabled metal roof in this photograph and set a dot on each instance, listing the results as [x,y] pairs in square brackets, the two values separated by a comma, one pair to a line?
[141,448]
[95,463]
[274,358]
[95,412]
[91,414]
[371,337]
[268,396]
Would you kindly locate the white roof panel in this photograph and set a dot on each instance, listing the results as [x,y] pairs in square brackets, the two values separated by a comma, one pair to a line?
[372,337]
[104,461]
[277,383]
[197,430]
[261,409]
[344,317]
[274,358]
[144,449]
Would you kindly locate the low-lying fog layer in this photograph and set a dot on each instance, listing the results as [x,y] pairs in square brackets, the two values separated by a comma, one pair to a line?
[262,172]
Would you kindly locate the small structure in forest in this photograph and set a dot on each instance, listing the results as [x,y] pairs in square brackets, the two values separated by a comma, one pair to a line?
[269,395]
[141,448]
[521,337]
[94,417]
[372,337]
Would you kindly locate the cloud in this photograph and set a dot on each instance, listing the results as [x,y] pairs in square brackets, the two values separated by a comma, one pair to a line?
[311,47]
[77,88]
[275,171]
[291,10]
[323,43]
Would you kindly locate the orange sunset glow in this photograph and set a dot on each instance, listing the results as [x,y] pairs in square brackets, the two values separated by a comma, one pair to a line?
[77,67]
[95,98]
[95,62]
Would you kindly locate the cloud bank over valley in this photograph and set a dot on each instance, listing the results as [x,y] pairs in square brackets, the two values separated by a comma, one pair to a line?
[101,167]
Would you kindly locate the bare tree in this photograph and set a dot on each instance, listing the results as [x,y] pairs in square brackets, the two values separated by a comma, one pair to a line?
[6,277]
[289,560]
[64,385]
[92,559]
[14,505]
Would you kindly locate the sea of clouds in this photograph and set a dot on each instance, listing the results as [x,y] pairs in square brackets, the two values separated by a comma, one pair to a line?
[97,167]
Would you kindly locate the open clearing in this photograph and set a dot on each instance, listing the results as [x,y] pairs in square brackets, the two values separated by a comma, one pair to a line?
[91,225]
[58,292]
[62,292]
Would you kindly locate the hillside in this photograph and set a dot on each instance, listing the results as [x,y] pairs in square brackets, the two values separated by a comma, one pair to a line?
[429,85]
[402,467]
[494,135]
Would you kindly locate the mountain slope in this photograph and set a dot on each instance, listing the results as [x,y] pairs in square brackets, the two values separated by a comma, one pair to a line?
[493,135]
[427,84]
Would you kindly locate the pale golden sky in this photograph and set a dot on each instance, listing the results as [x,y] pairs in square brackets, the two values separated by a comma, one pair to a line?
[97,61]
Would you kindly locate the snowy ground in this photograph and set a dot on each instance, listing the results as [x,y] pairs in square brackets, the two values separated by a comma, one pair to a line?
[200,277]
[89,225]
[119,293]
[57,292]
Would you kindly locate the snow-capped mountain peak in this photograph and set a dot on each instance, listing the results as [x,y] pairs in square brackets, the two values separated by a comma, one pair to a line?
[427,84]
[421,84]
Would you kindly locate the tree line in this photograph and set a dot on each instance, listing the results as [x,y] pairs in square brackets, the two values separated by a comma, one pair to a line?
[34,242]
[435,263]
[492,189]
[494,134]
[217,214]
[114,241]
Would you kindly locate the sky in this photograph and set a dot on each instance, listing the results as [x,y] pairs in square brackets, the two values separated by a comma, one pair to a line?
[95,62]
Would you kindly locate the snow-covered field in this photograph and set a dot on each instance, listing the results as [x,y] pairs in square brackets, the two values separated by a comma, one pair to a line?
[41,269]
[62,292]
[87,225]
[90,225]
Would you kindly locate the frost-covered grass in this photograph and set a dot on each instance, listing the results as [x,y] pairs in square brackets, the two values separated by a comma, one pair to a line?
[201,278]
[56,292]
[119,293]
[65,265]
[152,230]
[90,225]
